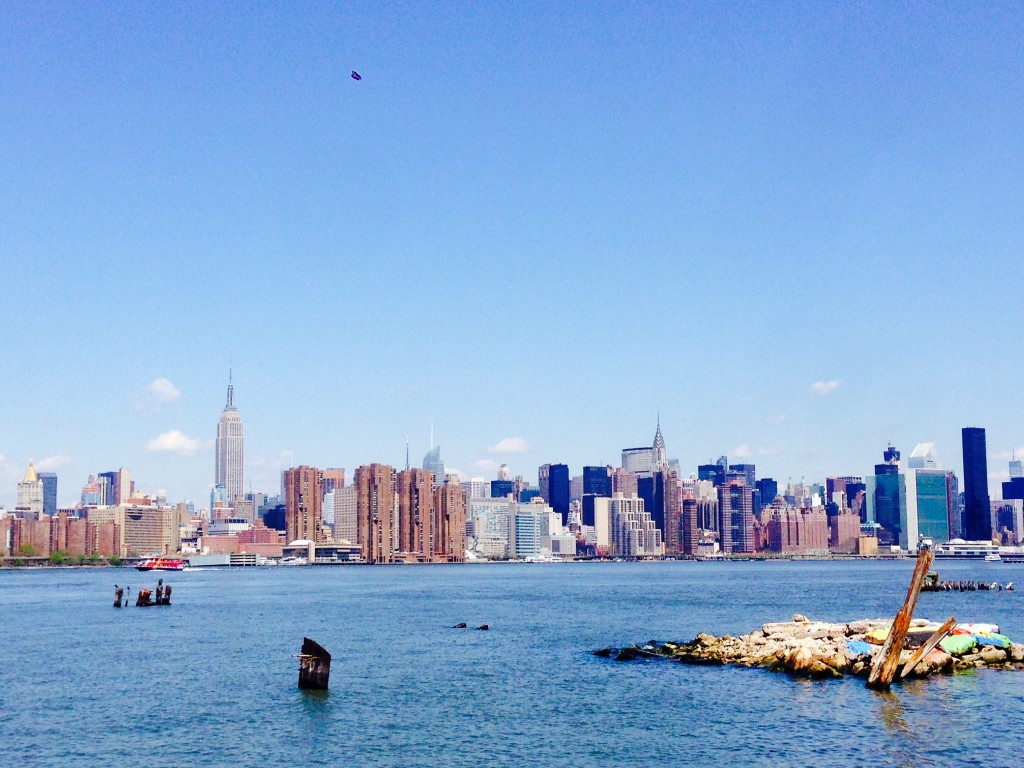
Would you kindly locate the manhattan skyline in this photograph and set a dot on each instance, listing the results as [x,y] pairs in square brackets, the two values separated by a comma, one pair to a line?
[792,231]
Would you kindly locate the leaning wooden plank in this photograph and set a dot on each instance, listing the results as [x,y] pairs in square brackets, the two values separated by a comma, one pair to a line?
[928,647]
[884,667]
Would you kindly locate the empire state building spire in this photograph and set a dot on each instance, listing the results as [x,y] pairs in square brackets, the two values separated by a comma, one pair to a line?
[228,471]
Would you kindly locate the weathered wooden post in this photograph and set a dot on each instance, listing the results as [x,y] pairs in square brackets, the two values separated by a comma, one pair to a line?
[142,598]
[167,595]
[314,666]
[118,595]
[928,647]
[883,669]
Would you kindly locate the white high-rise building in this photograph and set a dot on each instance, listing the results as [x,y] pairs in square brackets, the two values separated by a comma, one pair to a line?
[230,448]
[30,495]
[633,532]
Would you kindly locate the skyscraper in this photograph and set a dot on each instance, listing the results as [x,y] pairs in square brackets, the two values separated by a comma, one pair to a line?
[304,499]
[30,495]
[433,462]
[553,481]
[449,527]
[375,505]
[49,481]
[886,494]
[230,448]
[977,508]
[415,512]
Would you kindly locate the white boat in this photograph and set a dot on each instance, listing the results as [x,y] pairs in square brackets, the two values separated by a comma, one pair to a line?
[993,558]
[292,561]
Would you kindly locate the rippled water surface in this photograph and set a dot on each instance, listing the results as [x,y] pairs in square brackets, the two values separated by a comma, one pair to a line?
[210,681]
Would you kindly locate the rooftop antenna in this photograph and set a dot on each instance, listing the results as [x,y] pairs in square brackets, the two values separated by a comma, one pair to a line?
[406,451]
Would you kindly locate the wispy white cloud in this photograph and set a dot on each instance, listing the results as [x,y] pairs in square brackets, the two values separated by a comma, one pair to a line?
[775,419]
[769,450]
[485,466]
[53,463]
[822,388]
[177,442]
[159,392]
[742,452]
[510,445]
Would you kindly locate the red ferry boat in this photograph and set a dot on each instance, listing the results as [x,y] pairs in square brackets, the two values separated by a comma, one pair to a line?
[161,564]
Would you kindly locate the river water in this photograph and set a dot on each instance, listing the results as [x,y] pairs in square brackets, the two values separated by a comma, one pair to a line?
[211,680]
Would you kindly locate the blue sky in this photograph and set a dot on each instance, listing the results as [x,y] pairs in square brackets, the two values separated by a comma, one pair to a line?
[546,222]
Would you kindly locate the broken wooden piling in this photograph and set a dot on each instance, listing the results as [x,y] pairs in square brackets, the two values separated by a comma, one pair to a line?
[314,666]
[118,596]
[928,647]
[883,669]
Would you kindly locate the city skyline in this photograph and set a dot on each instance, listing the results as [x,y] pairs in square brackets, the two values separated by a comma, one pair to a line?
[789,229]
[514,447]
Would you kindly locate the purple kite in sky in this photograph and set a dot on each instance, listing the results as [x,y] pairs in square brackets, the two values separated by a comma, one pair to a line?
[356,75]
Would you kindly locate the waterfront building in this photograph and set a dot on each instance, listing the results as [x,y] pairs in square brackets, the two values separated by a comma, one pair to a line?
[49,481]
[30,495]
[633,532]
[303,504]
[931,505]
[660,492]
[489,527]
[230,448]
[602,524]
[449,521]
[415,490]
[553,482]
[736,518]
[375,508]
[346,526]
[597,482]
[143,529]
[797,531]
[527,529]
[844,530]
[977,507]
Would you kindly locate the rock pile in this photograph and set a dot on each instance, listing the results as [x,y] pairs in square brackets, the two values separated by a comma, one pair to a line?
[818,650]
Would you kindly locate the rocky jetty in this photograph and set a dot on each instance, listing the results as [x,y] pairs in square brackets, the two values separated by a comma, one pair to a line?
[823,650]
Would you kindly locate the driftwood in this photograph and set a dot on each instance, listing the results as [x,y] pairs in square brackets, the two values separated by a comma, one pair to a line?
[883,669]
[314,666]
[928,647]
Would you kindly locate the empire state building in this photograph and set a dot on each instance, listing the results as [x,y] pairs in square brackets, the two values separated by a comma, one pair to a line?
[230,448]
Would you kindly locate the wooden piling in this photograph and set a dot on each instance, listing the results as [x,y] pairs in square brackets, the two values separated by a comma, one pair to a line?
[118,596]
[883,669]
[928,647]
[314,666]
